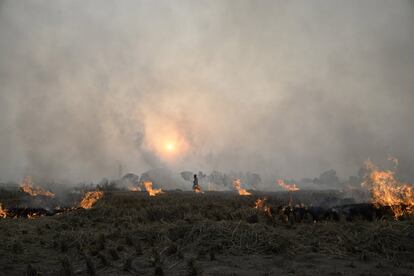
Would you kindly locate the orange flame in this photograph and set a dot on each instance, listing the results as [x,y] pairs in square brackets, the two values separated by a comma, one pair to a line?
[288,187]
[27,187]
[150,190]
[387,191]
[3,212]
[90,198]
[261,205]
[236,185]
[197,189]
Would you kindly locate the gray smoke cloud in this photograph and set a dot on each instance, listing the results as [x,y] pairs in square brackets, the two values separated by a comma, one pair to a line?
[286,88]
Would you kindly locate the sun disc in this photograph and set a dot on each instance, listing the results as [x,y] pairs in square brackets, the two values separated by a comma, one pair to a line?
[170,147]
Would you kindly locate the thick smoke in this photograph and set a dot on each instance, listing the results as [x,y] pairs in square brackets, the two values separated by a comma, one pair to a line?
[281,88]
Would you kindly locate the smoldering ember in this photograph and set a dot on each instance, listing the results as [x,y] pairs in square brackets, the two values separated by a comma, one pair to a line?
[206,137]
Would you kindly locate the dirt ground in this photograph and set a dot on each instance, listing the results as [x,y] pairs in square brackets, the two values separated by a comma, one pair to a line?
[215,233]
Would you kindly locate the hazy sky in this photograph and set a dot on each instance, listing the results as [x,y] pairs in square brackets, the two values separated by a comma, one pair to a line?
[289,88]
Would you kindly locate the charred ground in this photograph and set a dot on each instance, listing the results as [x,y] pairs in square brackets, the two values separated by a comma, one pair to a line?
[215,233]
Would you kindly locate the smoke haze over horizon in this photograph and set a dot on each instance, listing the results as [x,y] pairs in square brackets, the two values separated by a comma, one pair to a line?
[288,88]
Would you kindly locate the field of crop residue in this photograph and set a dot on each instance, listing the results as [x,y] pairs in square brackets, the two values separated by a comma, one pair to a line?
[213,233]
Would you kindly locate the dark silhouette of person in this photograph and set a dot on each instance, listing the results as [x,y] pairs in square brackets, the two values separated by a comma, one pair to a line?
[195,182]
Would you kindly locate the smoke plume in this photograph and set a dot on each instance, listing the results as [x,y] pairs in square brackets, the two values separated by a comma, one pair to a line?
[286,88]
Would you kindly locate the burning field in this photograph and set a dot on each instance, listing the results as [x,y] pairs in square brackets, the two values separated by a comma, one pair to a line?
[206,137]
[149,231]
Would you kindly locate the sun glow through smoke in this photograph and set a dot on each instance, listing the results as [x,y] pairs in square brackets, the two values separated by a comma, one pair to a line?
[168,143]
[170,147]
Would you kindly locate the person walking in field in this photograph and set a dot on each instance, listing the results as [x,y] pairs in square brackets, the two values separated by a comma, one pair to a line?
[196,187]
